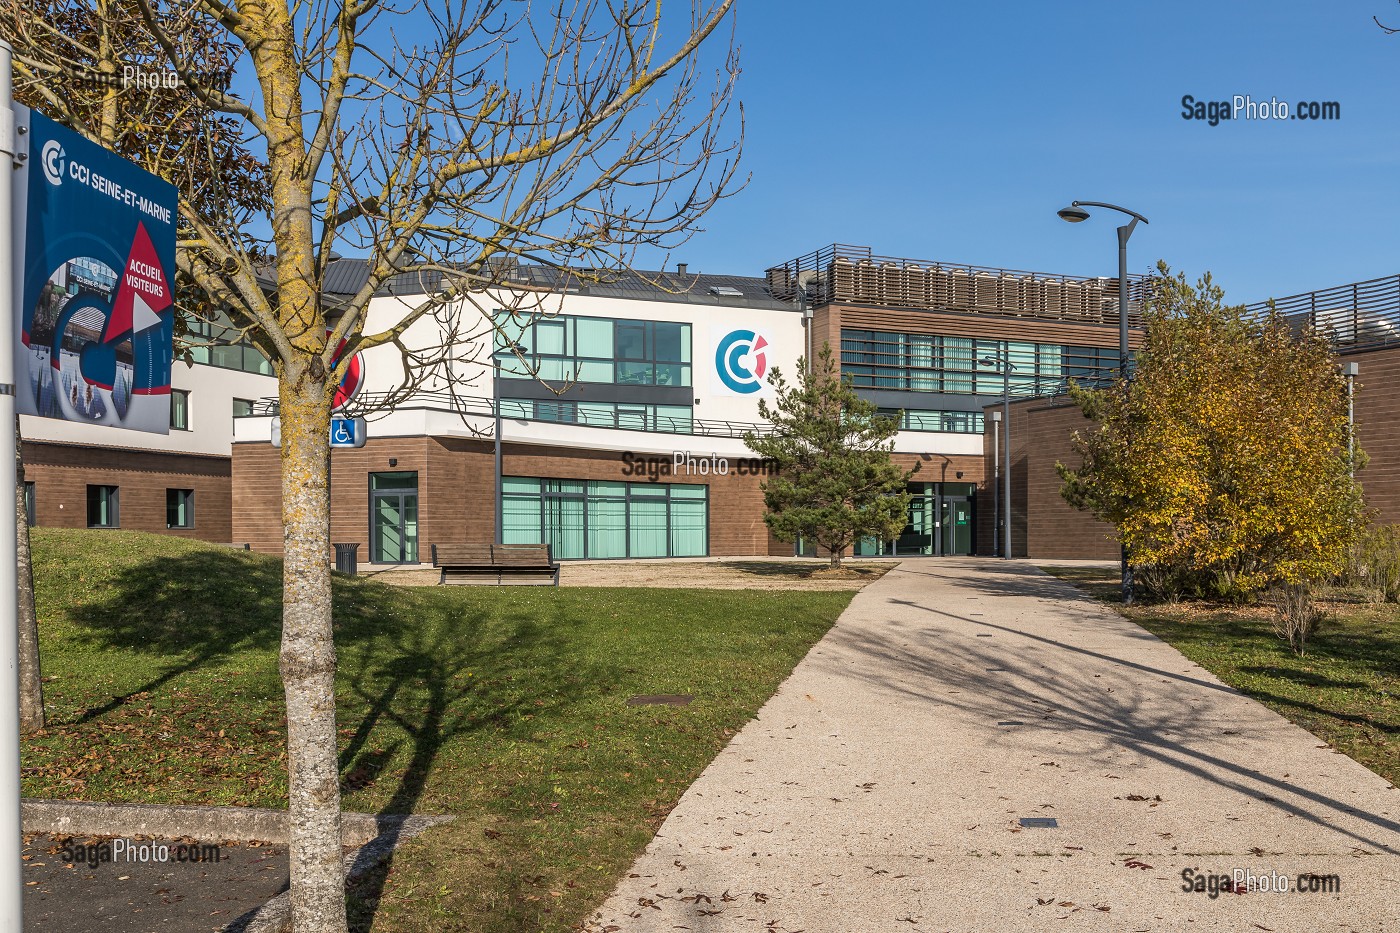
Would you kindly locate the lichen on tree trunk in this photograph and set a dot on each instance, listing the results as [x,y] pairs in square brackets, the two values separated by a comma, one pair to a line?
[31,681]
[308,653]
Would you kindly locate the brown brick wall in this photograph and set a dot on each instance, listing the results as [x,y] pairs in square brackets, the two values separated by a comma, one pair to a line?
[1058,529]
[1043,524]
[456,494]
[61,474]
[1377,418]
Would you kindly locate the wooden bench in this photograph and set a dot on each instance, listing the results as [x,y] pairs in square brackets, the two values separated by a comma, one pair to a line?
[499,564]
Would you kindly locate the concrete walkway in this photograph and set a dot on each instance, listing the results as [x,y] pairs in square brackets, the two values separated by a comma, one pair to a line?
[881,788]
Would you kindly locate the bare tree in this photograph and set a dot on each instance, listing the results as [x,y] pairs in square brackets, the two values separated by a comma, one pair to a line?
[568,135]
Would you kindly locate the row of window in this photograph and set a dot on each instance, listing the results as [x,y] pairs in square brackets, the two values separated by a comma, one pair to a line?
[596,349]
[956,422]
[607,519]
[104,506]
[180,409]
[222,345]
[626,416]
[967,365]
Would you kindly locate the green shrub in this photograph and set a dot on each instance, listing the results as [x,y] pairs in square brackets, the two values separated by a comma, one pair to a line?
[1374,562]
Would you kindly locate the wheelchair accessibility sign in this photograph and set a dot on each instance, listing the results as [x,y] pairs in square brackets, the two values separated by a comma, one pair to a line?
[345,432]
[348,432]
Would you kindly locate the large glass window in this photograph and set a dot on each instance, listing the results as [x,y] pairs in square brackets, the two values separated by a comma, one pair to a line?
[102,507]
[607,519]
[627,416]
[968,366]
[603,350]
[918,419]
[30,504]
[214,341]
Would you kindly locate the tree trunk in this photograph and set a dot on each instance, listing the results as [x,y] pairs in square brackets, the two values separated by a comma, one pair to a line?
[836,555]
[31,683]
[308,653]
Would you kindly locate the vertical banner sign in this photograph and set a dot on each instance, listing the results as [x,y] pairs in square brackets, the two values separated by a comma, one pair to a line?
[96,258]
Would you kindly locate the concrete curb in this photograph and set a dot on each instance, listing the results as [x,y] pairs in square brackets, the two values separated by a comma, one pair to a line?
[240,824]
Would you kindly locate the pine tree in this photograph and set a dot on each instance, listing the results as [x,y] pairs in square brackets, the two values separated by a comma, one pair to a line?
[835,481]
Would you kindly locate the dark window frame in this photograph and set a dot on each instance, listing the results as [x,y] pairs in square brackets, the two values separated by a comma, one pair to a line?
[183,394]
[113,505]
[189,508]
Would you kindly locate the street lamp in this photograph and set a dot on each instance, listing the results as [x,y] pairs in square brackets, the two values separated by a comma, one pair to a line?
[996,479]
[1349,372]
[1074,214]
[1004,366]
[505,352]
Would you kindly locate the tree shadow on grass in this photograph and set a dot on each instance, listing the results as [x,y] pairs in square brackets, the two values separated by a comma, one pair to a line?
[420,670]
[427,686]
[193,609]
[1304,678]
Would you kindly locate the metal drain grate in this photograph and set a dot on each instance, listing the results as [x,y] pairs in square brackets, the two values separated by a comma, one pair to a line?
[661,699]
[1040,822]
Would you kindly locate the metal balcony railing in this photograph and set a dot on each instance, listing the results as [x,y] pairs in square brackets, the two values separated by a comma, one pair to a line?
[371,404]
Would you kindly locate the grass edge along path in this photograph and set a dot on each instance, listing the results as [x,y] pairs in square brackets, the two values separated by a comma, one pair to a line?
[504,706]
[1345,690]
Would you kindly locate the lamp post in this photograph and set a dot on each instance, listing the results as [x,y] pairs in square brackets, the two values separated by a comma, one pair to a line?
[1074,214]
[1004,366]
[996,481]
[510,349]
[1349,372]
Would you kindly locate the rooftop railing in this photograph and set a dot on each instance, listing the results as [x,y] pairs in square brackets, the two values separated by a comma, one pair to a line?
[1360,316]
[853,274]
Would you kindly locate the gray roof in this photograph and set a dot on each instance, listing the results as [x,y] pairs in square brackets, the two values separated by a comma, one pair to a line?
[346,276]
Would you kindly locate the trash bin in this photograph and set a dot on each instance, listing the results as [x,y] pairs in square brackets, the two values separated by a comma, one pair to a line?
[345,560]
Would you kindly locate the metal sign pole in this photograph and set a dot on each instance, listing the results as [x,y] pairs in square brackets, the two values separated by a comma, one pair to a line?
[11,873]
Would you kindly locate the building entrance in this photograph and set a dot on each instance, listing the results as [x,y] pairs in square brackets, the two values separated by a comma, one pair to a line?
[393,533]
[940,523]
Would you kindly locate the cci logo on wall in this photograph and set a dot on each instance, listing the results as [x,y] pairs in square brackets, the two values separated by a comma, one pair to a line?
[741,361]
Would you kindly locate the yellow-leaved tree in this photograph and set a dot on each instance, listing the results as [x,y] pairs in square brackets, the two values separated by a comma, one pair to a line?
[1226,462]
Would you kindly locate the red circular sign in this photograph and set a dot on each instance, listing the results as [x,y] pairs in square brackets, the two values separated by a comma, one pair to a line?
[354,378]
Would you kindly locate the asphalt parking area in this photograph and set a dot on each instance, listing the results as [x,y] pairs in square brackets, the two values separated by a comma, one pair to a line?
[98,883]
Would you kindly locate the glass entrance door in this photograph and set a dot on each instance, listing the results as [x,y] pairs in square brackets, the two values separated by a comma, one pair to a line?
[393,533]
[955,531]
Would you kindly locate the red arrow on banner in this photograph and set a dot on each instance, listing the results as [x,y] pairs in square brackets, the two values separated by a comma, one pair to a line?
[144,291]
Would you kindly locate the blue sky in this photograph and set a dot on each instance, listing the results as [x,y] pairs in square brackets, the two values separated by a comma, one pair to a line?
[953,131]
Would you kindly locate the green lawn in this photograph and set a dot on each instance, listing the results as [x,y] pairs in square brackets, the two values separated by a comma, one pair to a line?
[1345,690]
[505,706]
